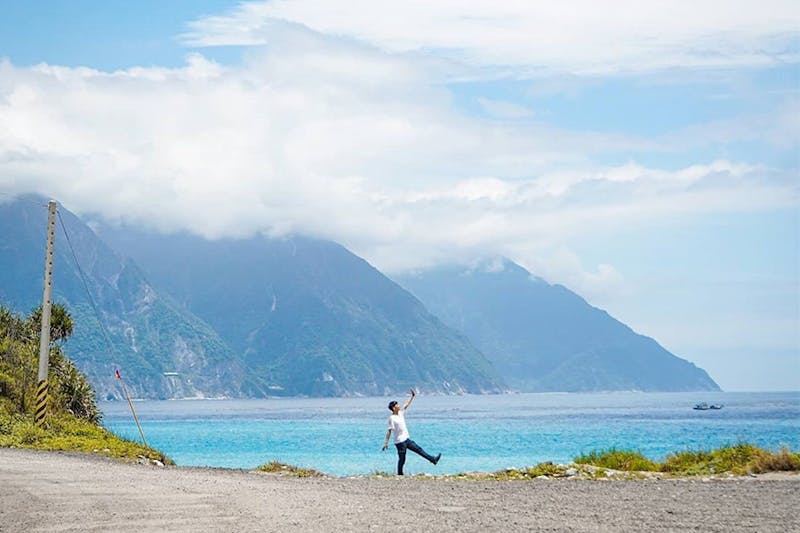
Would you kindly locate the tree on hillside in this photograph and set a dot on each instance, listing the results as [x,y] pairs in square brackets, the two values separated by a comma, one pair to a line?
[70,391]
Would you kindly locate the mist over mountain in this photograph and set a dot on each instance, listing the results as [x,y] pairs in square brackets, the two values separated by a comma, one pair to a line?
[308,316]
[190,317]
[163,350]
[544,337]
[248,318]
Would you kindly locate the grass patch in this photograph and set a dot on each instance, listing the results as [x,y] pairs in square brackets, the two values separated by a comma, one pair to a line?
[783,461]
[626,460]
[543,469]
[532,472]
[737,459]
[276,467]
[65,432]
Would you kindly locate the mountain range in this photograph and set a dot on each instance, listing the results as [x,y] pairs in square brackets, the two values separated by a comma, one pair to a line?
[136,328]
[187,317]
[309,316]
[544,337]
[247,318]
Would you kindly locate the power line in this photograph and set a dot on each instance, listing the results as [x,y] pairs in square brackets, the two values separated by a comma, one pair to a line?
[86,288]
[100,322]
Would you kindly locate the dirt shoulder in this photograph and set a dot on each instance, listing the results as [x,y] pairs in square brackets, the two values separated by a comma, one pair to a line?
[50,491]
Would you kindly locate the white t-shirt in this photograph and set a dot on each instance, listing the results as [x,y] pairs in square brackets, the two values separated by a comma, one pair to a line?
[397,423]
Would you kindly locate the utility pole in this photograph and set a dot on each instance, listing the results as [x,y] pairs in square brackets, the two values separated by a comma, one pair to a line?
[44,340]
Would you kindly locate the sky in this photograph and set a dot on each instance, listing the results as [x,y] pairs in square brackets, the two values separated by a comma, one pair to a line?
[644,154]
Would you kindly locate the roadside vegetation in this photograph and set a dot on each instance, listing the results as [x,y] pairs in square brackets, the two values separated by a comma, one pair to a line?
[542,469]
[276,467]
[738,459]
[614,459]
[73,421]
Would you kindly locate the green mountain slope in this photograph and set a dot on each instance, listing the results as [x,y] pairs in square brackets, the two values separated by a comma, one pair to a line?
[310,317]
[544,337]
[150,334]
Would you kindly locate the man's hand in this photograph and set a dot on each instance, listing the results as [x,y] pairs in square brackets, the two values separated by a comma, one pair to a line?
[410,398]
[384,447]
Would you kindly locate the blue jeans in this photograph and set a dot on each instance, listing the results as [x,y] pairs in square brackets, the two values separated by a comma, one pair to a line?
[414,447]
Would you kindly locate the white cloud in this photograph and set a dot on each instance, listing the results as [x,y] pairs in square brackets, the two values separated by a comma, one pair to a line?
[563,266]
[779,128]
[341,141]
[501,109]
[342,128]
[580,36]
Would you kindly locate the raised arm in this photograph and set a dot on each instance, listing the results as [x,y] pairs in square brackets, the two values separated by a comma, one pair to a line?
[410,399]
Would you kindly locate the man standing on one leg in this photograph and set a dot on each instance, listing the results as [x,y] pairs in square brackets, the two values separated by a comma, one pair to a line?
[397,423]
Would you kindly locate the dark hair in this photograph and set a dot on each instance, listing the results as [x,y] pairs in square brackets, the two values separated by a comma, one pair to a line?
[392,404]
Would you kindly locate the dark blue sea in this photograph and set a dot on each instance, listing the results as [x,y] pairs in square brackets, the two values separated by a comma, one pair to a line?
[343,436]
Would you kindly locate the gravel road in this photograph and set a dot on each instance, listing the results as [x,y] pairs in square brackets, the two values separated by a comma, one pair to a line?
[50,491]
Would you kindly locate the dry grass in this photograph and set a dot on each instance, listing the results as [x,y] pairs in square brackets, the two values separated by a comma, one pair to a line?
[783,461]
[276,467]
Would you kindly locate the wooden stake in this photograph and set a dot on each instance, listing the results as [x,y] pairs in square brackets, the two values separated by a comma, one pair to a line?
[128,397]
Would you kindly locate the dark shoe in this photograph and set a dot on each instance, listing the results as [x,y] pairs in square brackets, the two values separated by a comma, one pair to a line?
[436,459]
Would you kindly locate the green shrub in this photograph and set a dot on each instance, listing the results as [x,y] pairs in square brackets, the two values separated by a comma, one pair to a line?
[70,391]
[782,461]
[614,459]
[6,409]
[72,421]
[688,463]
[739,459]
[736,459]
[544,469]
[276,467]
[26,434]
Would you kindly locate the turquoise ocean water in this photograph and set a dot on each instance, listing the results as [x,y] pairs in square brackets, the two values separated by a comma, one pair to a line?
[343,436]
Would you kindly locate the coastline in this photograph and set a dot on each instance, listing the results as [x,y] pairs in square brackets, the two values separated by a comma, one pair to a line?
[46,491]
[504,430]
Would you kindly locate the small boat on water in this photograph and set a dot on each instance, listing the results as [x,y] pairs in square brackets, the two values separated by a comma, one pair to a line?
[703,406]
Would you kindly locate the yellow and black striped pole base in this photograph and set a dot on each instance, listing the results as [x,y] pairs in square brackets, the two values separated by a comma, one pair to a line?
[41,402]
